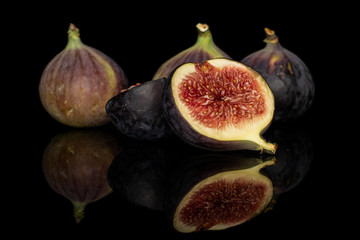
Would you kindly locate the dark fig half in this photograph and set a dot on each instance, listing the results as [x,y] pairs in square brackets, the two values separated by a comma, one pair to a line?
[219,104]
[217,191]
[137,112]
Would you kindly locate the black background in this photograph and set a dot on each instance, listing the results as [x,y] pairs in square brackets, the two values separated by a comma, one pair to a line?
[140,37]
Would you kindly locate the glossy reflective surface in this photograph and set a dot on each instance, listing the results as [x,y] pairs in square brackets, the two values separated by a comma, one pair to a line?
[40,190]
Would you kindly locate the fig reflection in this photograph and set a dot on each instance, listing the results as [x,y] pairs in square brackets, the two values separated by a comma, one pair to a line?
[294,154]
[75,166]
[179,179]
[217,191]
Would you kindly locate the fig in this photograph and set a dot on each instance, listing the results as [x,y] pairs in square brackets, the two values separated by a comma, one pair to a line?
[219,104]
[217,191]
[203,49]
[287,75]
[139,172]
[75,165]
[77,83]
[294,155]
[137,112]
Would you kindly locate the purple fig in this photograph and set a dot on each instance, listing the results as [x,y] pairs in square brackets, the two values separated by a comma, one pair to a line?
[203,49]
[287,75]
[78,82]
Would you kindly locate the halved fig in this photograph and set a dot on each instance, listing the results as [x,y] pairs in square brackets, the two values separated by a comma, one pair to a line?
[219,104]
[137,113]
[217,191]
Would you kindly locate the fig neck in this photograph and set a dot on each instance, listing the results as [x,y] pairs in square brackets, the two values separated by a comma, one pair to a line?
[271,40]
[74,40]
[79,208]
[204,35]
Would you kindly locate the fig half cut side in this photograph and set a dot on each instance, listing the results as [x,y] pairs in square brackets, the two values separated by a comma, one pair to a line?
[219,104]
[224,200]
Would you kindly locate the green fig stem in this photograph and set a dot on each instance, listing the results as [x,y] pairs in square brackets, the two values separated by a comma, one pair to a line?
[79,208]
[204,34]
[270,36]
[74,40]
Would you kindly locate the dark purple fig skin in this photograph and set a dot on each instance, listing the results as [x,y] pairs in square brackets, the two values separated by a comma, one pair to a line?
[288,77]
[184,130]
[137,112]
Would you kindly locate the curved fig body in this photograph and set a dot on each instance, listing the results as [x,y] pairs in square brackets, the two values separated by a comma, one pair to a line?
[287,75]
[78,82]
[220,104]
[75,165]
[217,191]
[204,49]
[137,112]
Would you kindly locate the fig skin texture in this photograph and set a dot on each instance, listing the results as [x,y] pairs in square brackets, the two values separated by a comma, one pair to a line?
[77,83]
[203,49]
[137,112]
[217,191]
[219,105]
[75,165]
[287,75]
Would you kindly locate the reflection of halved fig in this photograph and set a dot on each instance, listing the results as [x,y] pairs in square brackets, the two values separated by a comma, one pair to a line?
[219,104]
[217,192]
[75,166]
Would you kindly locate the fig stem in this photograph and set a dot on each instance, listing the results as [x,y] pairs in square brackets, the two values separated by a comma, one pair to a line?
[74,40]
[204,34]
[270,36]
[79,208]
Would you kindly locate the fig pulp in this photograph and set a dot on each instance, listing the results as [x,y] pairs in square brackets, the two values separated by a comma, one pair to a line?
[218,191]
[78,82]
[75,165]
[287,75]
[219,104]
[137,112]
[203,49]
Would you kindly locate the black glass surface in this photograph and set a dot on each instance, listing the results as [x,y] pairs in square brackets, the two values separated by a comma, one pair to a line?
[42,204]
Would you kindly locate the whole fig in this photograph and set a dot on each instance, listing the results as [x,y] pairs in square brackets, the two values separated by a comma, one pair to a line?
[287,75]
[203,49]
[77,83]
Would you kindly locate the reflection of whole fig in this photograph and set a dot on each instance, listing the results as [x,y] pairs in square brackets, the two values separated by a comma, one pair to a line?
[78,82]
[287,75]
[294,155]
[75,165]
